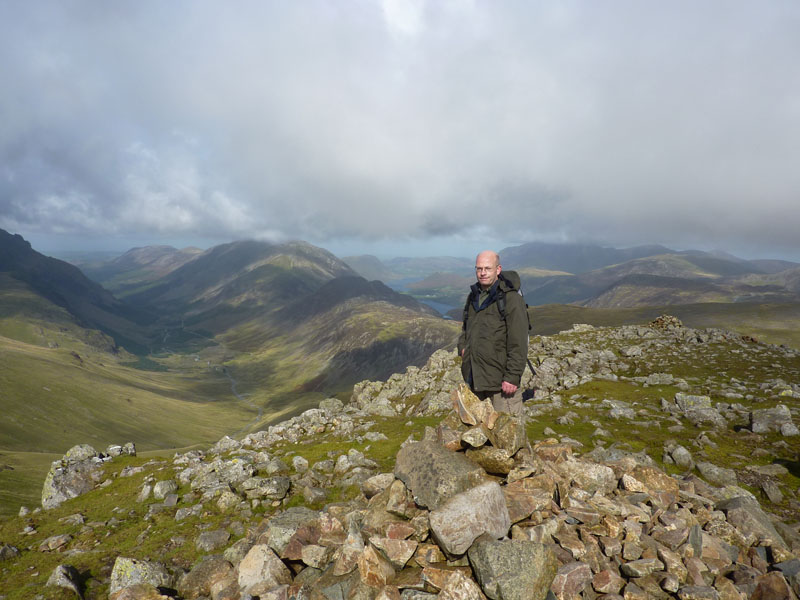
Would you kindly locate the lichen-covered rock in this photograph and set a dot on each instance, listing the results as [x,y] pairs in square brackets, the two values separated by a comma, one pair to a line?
[513,569]
[130,571]
[434,474]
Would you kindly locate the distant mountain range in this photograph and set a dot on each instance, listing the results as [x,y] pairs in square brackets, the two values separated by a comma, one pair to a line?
[596,276]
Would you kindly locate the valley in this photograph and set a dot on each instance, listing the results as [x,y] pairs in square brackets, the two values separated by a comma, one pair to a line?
[198,344]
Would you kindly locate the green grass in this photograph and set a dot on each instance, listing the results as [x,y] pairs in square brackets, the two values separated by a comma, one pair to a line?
[100,540]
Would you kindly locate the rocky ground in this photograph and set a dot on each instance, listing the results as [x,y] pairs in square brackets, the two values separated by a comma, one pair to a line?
[658,461]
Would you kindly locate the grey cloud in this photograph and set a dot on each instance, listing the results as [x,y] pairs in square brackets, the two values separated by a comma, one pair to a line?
[620,122]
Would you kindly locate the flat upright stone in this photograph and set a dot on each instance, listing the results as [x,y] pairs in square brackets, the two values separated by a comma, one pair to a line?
[466,516]
[513,569]
[433,474]
[470,410]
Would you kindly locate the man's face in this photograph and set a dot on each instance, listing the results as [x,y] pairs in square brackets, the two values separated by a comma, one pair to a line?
[487,269]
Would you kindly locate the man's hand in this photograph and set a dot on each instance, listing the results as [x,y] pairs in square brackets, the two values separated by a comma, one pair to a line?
[508,388]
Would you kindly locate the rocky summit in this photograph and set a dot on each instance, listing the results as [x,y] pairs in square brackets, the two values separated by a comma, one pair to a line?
[654,461]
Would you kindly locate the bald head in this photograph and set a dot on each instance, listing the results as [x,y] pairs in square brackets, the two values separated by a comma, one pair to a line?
[487,268]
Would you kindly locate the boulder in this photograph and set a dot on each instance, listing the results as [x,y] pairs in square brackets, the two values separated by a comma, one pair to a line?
[765,420]
[130,571]
[468,515]
[513,569]
[76,473]
[261,570]
[433,474]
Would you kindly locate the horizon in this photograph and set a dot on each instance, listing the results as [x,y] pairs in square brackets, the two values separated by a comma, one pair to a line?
[382,252]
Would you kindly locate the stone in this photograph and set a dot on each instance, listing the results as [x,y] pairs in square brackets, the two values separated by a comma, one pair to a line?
[474,437]
[376,484]
[764,420]
[397,552]
[508,433]
[208,541]
[772,586]
[138,591]
[374,569]
[261,570]
[491,459]
[204,575]
[522,499]
[228,501]
[75,474]
[55,543]
[162,488]
[347,555]
[65,576]
[571,579]
[469,409]
[460,587]
[468,515]
[746,515]
[591,477]
[607,582]
[130,571]
[641,567]
[698,592]
[8,552]
[513,569]
[715,475]
[283,526]
[433,474]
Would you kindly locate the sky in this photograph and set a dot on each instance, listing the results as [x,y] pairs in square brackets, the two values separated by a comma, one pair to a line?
[401,127]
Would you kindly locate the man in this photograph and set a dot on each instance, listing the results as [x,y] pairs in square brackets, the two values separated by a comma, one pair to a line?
[494,342]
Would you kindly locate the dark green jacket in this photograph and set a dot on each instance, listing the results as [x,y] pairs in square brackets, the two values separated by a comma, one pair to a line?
[495,349]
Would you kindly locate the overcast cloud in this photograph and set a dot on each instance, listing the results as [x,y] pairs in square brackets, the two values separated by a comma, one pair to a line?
[454,123]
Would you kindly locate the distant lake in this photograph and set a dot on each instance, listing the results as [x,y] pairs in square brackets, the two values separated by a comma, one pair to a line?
[442,308]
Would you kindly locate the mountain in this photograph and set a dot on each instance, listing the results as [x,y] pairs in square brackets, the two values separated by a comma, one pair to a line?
[408,268]
[657,279]
[370,267]
[572,258]
[64,285]
[138,267]
[289,321]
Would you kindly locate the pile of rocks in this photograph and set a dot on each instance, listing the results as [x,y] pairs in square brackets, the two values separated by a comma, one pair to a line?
[665,322]
[474,511]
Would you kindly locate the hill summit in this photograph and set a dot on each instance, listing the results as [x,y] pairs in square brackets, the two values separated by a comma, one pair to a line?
[658,462]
